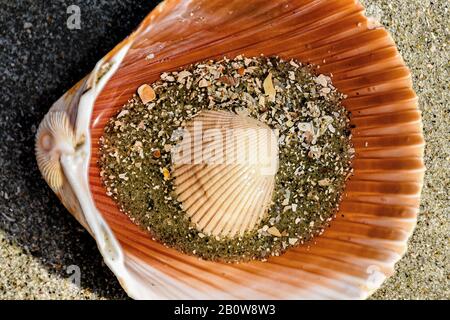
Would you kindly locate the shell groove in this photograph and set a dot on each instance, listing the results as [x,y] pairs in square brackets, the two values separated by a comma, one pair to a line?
[224,171]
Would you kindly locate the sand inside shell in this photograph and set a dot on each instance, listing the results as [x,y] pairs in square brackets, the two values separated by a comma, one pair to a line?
[313,141]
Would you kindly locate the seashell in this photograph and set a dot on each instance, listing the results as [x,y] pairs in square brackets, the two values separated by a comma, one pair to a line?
[379,210]
[54,137]
[228,192]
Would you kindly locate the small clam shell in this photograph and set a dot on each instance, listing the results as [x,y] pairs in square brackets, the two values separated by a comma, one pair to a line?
[54,137]
[224,171]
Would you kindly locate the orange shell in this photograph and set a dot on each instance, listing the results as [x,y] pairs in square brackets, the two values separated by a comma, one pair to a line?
[379,211]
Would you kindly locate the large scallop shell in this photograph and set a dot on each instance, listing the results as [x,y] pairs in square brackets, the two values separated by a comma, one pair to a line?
[226,174]
[378,213]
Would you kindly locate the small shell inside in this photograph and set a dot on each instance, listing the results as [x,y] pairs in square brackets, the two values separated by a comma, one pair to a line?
[224,170]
